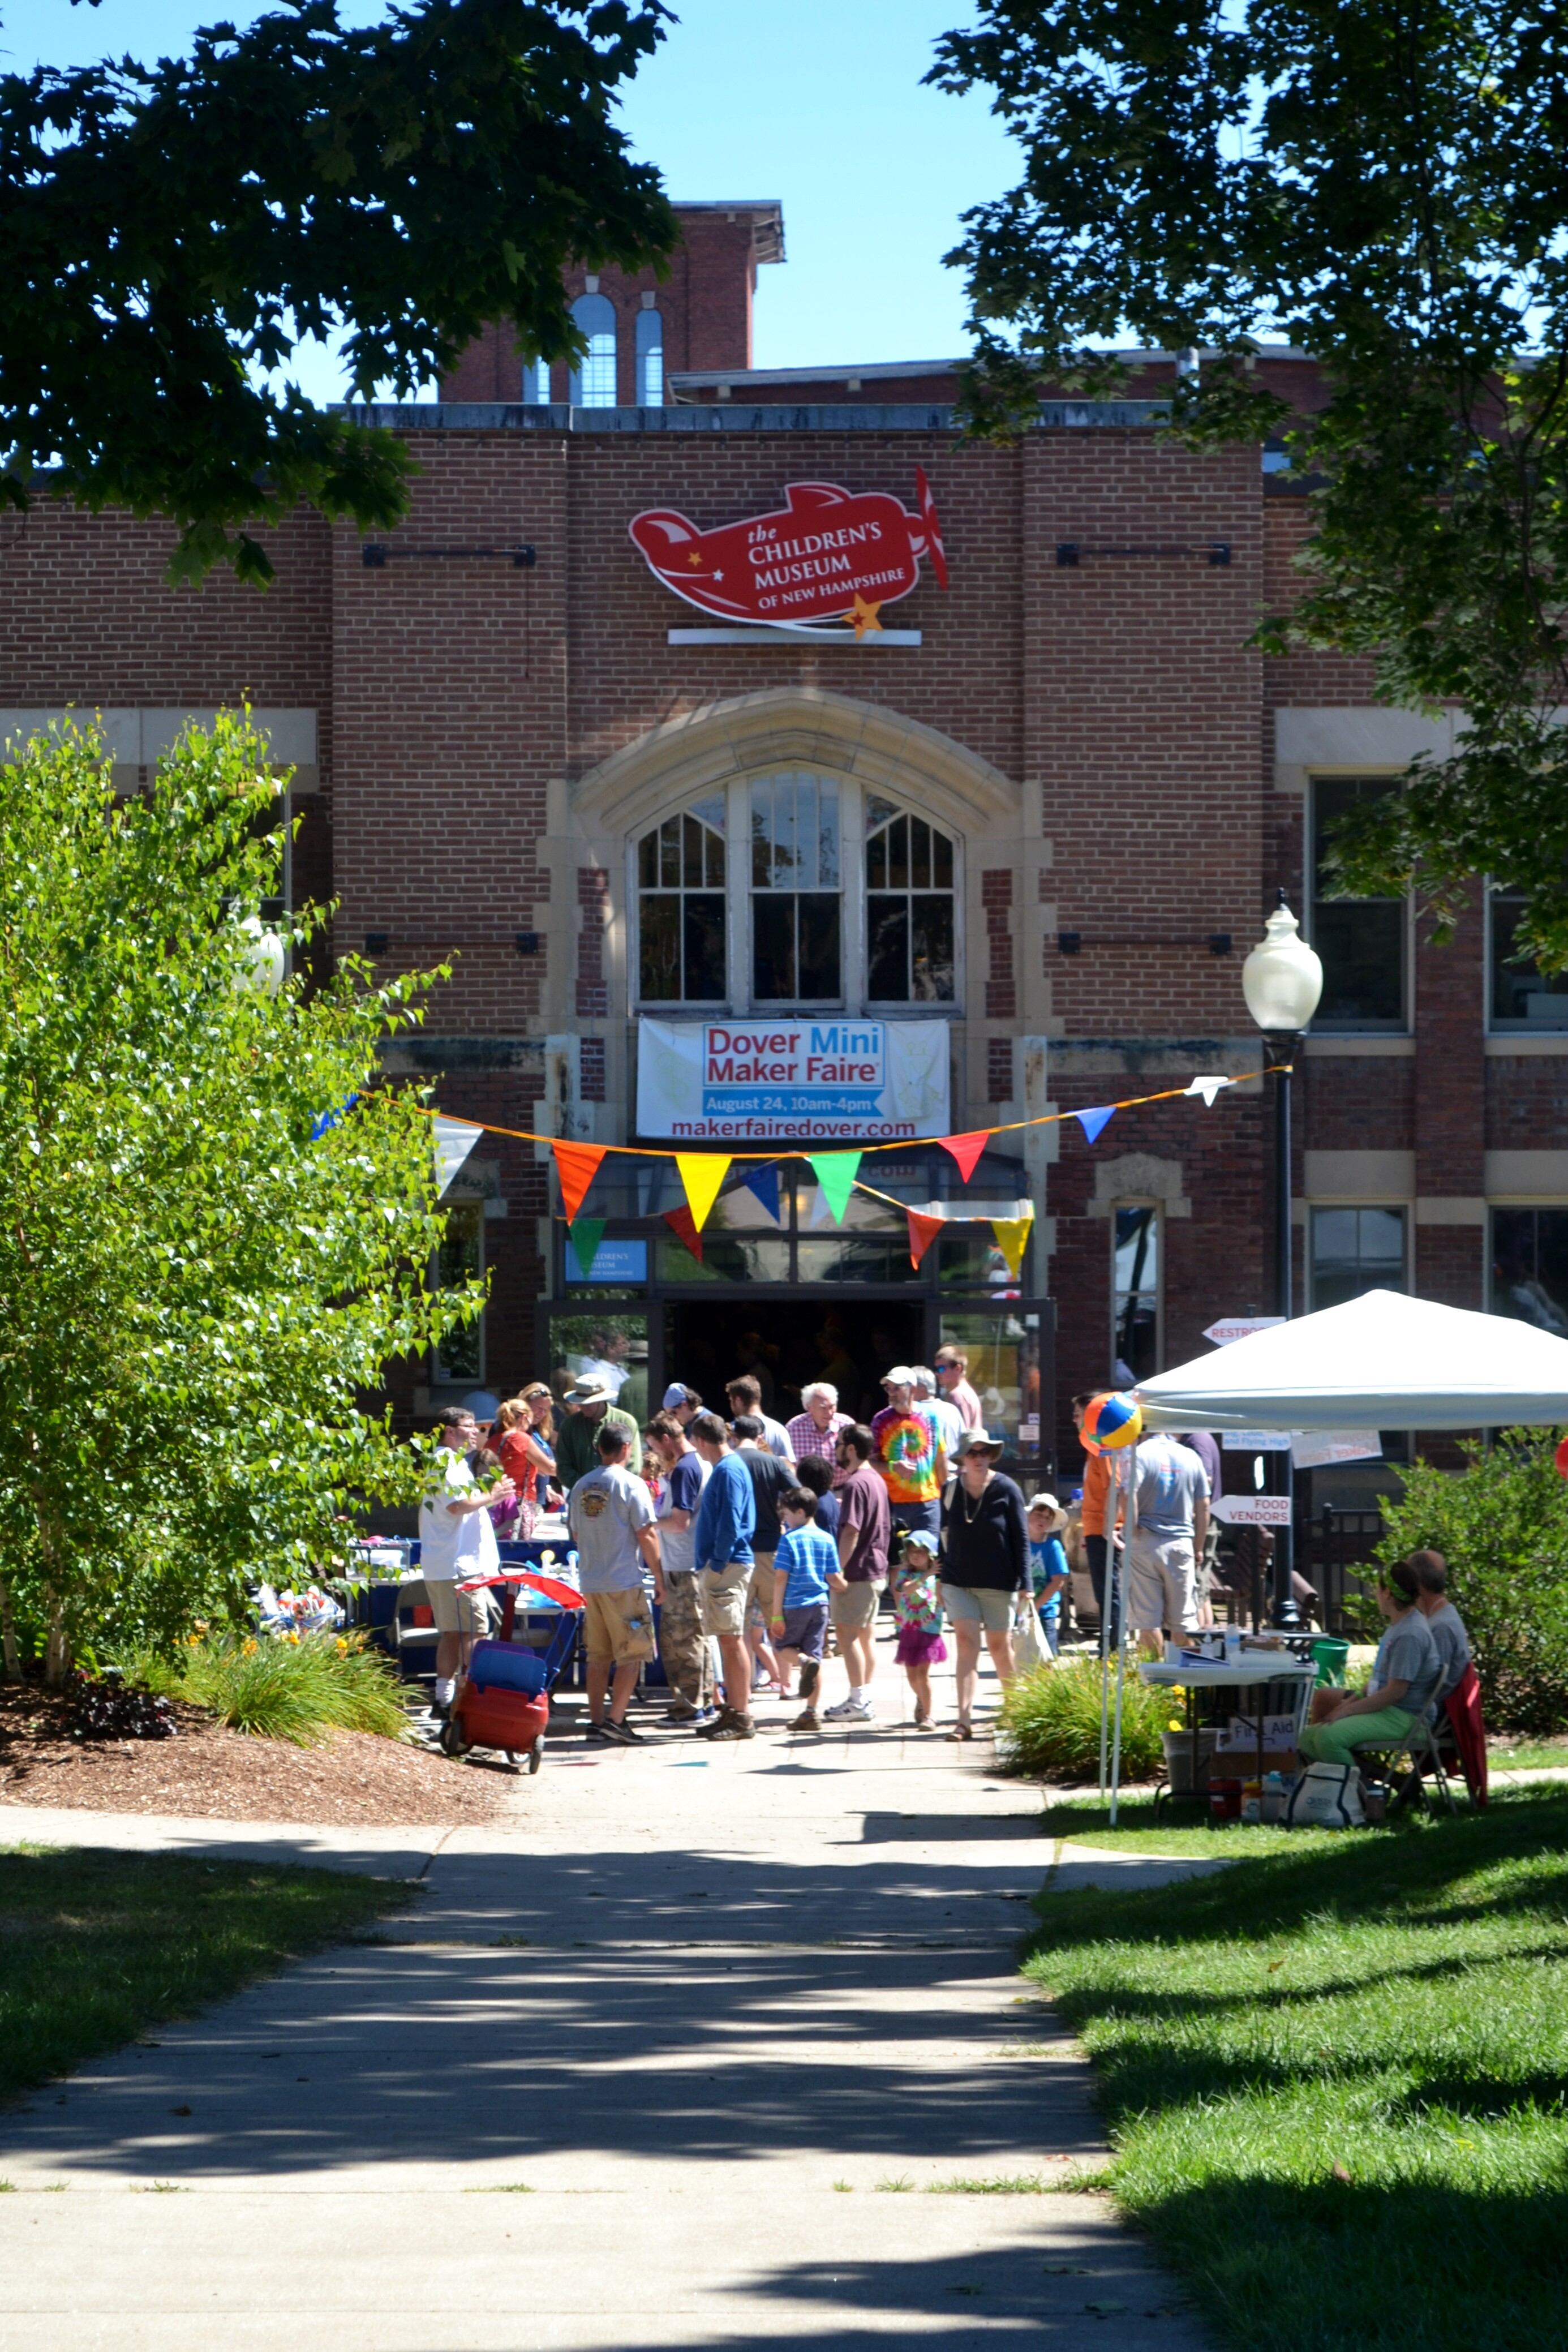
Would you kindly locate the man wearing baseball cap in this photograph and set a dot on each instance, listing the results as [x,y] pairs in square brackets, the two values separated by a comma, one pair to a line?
[910,1453]
[591,1403]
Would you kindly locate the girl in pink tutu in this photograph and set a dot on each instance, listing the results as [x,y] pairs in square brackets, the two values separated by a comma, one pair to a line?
[917,1609]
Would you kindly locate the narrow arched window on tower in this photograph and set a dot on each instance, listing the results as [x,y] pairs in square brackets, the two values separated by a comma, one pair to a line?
[909,909]
[649,360]
[593,384]
[535,384]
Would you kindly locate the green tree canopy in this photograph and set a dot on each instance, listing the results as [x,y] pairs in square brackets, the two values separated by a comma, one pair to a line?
[200,1272]
[1381,186]
[169,232]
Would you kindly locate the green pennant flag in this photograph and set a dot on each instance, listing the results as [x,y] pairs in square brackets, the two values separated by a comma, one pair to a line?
[835,1172]
[585,1237]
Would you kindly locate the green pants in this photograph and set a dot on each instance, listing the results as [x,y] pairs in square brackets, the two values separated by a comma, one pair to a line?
[1335,1743]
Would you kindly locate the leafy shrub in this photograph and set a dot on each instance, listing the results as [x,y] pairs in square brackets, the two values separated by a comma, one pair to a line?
[300,1690]
[109,1707]
[1049,1720]
[1502,1526]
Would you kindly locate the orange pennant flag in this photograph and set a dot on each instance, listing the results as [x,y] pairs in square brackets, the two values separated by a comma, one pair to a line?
[578,1164]
[702,1174]
[681,1221]
[923,1231]
[966,1149]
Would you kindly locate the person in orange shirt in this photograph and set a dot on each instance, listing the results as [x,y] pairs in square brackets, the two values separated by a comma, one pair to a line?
[1096,1494]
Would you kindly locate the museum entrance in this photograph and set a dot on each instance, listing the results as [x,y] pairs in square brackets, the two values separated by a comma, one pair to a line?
[783,1288]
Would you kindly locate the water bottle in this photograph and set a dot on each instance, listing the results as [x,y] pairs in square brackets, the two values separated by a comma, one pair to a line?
[1233,1646]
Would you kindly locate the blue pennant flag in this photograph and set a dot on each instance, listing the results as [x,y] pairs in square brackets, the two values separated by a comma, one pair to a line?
[762,1183]
[331,1117]
[1094,1122]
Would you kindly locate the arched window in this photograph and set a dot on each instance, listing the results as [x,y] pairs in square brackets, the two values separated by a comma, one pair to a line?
[536,385]
[593,384]
[909,909]
[680,908]
[796,903]
[649,360]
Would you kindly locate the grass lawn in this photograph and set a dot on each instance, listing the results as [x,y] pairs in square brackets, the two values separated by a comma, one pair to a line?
[96,1945]
[1336,2075]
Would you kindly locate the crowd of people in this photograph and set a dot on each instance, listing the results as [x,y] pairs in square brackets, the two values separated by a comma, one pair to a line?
[768,1546]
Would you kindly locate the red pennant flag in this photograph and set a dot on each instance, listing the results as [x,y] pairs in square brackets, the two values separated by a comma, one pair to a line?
[681,1221]
[966,1149]
[578,1165]
[923,1231]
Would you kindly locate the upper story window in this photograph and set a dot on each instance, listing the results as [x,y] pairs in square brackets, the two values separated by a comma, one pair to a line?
[649,360]
[909,909]
[535,385]
[681,908]
[1354,1250]
[1520,995]
[593,384]
[1135,1288]
[797,953]
[1363,941]
[1530,1266]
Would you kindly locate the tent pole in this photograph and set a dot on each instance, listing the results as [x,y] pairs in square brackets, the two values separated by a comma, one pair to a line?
[1108,1611]
[1130,1521]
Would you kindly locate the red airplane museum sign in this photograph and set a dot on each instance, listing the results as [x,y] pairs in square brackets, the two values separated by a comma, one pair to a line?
[826,555]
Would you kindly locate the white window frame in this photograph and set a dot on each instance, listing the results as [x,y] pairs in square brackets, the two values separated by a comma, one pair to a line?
[852,1001]
[1494,1027]
[1140,1200]
[1322,1027]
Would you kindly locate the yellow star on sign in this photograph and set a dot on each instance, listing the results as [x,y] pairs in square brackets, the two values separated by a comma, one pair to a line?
[864,617]
[695,559]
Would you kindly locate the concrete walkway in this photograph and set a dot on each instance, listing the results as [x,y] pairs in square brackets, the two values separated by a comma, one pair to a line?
[728,2023]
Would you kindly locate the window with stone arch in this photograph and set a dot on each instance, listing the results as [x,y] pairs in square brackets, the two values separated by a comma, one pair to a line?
[593,384]
[681,927]
[910,928]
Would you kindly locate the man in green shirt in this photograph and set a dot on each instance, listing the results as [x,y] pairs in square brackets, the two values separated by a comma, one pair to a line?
[577,1445]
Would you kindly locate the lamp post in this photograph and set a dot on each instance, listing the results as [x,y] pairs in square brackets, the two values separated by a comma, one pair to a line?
[263,958]
[1282,980]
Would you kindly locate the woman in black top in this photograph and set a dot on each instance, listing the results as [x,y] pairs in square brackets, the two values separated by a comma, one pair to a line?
[985,1566]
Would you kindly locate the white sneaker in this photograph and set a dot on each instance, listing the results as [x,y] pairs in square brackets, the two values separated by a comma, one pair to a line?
[848,1710]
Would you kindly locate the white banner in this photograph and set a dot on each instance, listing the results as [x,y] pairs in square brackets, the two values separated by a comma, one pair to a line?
[792,1078]
[1315,1449]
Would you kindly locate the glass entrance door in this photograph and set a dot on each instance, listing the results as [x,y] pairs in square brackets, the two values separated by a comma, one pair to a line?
[1011,1347]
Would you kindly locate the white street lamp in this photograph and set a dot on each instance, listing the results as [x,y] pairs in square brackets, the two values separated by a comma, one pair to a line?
[263,959]
[1282,980]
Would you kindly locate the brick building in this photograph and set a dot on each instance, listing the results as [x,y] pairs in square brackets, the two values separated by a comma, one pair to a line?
[1044,808]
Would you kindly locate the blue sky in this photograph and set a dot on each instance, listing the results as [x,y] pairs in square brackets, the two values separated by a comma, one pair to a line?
[817,102]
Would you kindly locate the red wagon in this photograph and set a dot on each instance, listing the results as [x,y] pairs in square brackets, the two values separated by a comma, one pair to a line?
[503,1699]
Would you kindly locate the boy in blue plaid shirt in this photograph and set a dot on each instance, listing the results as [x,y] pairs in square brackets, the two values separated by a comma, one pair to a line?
[805,1567]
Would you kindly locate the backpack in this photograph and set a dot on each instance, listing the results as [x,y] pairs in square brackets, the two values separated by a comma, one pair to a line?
[1326,1796]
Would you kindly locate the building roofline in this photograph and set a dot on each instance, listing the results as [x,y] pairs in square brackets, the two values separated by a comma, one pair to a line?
[886,370]
[764,213]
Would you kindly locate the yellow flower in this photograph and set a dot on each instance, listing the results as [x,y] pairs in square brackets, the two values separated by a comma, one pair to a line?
[342,1647]
[294,1638]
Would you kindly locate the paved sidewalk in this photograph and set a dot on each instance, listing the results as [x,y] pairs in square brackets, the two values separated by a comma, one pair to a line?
[725,2020]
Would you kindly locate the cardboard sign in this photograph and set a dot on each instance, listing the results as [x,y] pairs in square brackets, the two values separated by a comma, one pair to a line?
[1253,1510]
[784,1078]
[826,554]
[1241,1734]
[1315,1449]
[1256,1440]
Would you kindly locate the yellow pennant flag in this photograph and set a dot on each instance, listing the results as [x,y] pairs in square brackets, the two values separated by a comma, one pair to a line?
[1012,1240]
[702,1174]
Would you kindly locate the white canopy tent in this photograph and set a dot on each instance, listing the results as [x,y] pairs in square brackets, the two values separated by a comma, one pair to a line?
[1381,1361]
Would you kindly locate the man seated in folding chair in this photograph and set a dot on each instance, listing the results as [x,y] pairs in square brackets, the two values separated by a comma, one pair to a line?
[1392,1712]
[1457,1723]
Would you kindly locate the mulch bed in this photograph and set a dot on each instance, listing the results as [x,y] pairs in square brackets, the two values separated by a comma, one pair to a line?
[234,1776]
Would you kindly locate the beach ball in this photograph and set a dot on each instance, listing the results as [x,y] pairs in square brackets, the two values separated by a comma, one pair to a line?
[1110,1421]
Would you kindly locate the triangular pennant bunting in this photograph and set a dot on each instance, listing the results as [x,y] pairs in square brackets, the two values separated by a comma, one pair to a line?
[923,1231]
[585,1237]
[1012,1240]
[835,1172]
[1208,1087]
[966,1148]
[578,1164]
[681,1221]
[331,1117]
[702,1174]
[454,1139]
[1094,1122]
[762,1183]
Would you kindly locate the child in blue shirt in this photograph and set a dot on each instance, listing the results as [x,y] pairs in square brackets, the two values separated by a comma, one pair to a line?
[1047,1565]
[805,1566]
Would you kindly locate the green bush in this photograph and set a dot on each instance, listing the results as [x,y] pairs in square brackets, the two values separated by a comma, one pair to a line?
[300,1690]
[1049,1720]
[1502,1526]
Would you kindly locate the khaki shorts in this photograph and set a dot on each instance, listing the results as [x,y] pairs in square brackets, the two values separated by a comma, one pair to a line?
[760,1592]
[722,1597]
[1162,1584]
[977,1604]
[457,1613]
[854,1609]
[618,1627]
